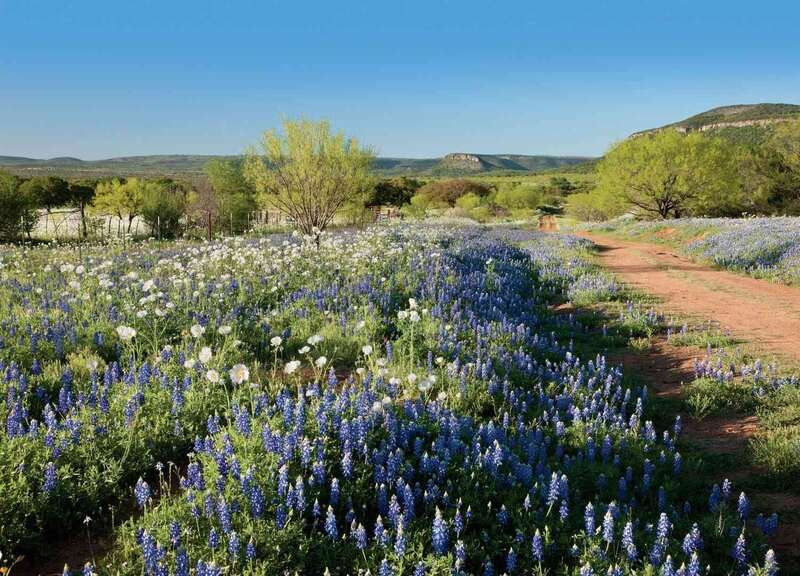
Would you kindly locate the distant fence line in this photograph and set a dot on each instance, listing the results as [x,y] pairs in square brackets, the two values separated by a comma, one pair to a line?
[66,223]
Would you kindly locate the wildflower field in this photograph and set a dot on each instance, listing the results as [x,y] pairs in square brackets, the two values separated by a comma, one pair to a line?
[398,401]
[762,247]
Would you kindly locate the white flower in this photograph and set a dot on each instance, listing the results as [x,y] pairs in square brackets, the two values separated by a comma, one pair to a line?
[402,315]
[360,325]
[189,363]
[425,384]
[377,406]
[197,330]
[442,396]
[125,333]
[92,364]
[276,341]
[147,286]
[224,330]
[366,350]
[394,380]
[205,354]
[439,360]
[141,313]
[413,316]
[361,371]
[412,303]
[315,339]
[304,350]
[212,376]
[291,366]
[320,362]
[239,373]
[412,377]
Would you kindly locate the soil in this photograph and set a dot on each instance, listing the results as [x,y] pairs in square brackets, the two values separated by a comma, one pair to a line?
[760,312]
[765,314]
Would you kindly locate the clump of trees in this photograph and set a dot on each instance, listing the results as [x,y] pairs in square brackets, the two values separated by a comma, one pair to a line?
[669,174]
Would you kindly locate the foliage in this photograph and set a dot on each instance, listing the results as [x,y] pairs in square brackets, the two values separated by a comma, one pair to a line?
[393,191]
[667,174]
[310,173]
[446,192]
[18,207]
[232,196]
[163,206]
[48,191]
[123,198]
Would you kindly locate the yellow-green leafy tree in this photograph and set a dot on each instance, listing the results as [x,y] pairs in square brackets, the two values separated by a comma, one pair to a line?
[309,173]
[121,198]
[669,175]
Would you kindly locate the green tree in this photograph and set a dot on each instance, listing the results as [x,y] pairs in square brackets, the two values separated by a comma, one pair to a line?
[775,171]
[122,198]
[309,173]
[669,174]
[446,192]
[81,194]
[393,191]
[163,206]
[17,207]
[49,191]
[232,198]
[513,196]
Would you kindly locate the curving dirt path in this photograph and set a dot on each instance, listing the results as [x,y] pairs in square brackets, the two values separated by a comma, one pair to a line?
[766,314]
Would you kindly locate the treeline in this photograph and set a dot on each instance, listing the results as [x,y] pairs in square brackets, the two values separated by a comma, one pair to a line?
[223,200]
[669,174]
[476,199]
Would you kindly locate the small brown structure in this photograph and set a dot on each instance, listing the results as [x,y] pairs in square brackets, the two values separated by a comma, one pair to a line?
[547,222]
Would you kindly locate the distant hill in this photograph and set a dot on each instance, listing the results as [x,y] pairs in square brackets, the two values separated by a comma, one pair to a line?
[741,123]
[188,166]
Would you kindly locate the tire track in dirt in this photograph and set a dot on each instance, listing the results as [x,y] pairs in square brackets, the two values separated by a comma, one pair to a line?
[763,313]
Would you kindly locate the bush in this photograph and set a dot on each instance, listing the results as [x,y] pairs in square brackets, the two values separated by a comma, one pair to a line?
[513,196]
[448,191]
[163,207]
[19,207]
[469,201]
[393,192]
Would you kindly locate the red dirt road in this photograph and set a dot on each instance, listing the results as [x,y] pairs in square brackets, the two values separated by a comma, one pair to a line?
[763,313]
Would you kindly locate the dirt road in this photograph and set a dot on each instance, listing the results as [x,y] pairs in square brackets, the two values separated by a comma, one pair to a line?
[766,314]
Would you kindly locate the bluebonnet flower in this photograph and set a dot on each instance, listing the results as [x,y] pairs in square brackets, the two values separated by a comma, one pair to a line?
[400,539]
[588,519]
[627,542]
[213,539]
[50,478]
[770,563]
[385,569]
[511,561]
[250,549]
[142,492]
[537,546]
[234,544]
[739,551]
[330,524]
[586,570]
[440,537]
[693,541]
[608,527]
[743,507]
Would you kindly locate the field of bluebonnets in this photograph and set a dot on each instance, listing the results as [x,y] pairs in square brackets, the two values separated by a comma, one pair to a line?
[762,247]
[397,401]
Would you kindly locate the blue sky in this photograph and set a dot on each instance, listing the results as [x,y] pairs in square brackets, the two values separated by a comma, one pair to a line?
[415,79]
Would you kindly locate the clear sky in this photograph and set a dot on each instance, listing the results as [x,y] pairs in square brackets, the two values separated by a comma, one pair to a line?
[415,79]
